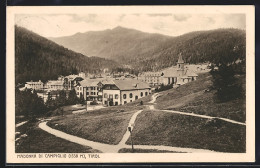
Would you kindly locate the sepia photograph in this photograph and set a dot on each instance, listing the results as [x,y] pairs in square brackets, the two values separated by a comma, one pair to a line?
[130,84]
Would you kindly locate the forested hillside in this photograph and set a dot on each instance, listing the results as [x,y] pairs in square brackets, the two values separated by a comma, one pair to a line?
[216,46]
[145,51]
[39,58]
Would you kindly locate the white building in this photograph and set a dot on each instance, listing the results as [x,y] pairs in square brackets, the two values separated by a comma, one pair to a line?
[177,75]
[91,89]
[34,85]
[124,91]
[54,85]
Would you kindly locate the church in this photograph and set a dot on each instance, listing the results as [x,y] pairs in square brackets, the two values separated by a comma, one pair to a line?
[176,75]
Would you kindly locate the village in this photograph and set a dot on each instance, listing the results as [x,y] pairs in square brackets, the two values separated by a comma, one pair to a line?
[112,89]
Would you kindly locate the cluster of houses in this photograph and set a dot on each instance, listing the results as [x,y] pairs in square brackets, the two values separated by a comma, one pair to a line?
[176,75]
[118,88]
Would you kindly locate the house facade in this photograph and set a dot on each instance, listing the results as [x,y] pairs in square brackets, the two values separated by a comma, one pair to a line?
[54,85]
[124,91]
[91,89]
[34,85]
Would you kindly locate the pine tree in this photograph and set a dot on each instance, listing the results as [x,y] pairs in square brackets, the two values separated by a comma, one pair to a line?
[61,99]
[73,99]
[81,99]
[226,84]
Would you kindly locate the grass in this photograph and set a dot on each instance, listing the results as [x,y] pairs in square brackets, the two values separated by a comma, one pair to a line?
[105,125]
[129,150]
[162,128]
[192,97]
[66,110]
[39,141]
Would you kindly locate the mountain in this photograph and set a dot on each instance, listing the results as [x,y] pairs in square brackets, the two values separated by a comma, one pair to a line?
[146,51]
[37,58]
[120,43]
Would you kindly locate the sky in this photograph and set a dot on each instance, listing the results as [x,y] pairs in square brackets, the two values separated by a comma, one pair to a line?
[57,25]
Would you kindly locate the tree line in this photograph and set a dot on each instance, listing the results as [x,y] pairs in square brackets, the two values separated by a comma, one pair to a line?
[30,105]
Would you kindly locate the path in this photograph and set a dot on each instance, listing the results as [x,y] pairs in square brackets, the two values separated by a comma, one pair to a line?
[107,148]
[203,116]
[20,124]
[154,97]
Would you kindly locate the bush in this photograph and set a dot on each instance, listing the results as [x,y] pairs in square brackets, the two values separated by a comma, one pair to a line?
[93,103]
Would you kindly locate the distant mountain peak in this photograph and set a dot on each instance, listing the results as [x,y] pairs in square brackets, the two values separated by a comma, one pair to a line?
[119,28]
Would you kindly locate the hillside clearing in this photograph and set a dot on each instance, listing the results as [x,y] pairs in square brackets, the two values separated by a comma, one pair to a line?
[193,98]
[107,127]
[161,128]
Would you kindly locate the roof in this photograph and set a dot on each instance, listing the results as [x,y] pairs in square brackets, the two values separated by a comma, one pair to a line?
[31,82]
[89,82]
[131,84]
[94,82]
[151,74]
[55,82]
[73,77]
[170,72]
[190,73]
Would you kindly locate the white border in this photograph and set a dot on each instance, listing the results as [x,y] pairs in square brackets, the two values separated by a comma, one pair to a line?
[249,156]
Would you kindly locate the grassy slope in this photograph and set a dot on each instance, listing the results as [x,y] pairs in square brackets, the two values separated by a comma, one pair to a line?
[39,141]
[162,128]
[192,98]
[104,125]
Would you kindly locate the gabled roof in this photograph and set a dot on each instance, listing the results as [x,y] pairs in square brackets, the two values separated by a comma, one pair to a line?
[190,73]
[88,82]
[131,84]
[170,72]
[94,82]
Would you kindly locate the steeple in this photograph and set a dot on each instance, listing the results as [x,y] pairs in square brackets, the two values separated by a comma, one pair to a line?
[180,63]
[180,60]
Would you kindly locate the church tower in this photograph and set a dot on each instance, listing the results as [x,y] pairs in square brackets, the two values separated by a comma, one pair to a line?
[180,66]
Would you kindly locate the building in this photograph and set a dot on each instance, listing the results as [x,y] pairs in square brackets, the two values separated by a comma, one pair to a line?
[124,91]
[34,85]
[54,85]
[152,78]
[176,75]
[71,81]
[91,89]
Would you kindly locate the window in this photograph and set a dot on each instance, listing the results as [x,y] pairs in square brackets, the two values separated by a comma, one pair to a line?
[124,96]
[130,100]
[116,96]
[146,93]
[105,95]
[130,95]
[105,102]
[87,93]
[136,97]
[142,94]
[116,103]
[125,102]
